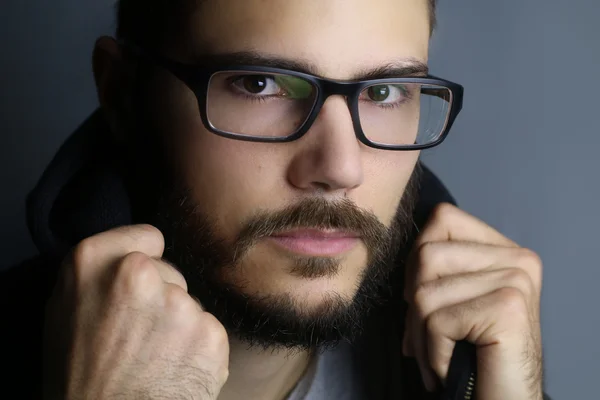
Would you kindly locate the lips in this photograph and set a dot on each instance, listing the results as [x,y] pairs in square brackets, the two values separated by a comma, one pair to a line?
[317,242]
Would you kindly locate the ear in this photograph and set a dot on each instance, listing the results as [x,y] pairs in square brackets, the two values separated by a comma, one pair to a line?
[114,78]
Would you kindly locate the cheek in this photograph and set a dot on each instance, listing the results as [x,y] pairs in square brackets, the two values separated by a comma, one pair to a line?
[229,179]
[386,175]
[233,179]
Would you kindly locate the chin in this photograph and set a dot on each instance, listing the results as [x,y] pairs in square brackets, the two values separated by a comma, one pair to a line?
[309,282]
[272,299]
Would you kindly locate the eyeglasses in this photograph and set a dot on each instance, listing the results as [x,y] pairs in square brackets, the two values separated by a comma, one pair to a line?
[264,104]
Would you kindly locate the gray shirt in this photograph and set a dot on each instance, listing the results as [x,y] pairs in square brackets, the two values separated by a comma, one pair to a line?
[331,375]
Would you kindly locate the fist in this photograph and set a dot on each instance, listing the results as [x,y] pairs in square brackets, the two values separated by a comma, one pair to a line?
[466,281]
[120,324]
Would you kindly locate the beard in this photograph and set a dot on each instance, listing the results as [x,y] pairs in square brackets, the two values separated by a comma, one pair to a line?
[275,321]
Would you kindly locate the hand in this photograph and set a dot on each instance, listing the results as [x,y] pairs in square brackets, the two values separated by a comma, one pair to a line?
[464,280]
[120,324]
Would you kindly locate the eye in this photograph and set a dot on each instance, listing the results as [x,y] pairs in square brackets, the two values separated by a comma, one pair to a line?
[387,94]
[257,84]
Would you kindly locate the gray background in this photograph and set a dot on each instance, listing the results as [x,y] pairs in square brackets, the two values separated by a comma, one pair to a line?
[522,156]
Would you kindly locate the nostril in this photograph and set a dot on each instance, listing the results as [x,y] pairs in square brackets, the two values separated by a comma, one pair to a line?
[321,187]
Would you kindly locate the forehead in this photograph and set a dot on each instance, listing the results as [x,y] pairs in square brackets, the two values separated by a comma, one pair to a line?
[339,37]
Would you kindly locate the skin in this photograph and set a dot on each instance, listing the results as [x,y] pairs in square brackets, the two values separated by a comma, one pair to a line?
[468,281]
[464,280]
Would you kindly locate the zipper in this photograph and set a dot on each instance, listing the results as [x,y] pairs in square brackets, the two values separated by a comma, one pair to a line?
[469,391]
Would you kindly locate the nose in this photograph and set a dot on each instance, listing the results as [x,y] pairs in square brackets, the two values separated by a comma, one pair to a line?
[329,158]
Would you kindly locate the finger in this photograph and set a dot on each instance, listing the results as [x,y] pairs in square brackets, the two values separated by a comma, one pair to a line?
[457,289]
[449,223]
[170,274]
[441,293]
[436,260]
[181,299]
[107,248]
[489,321]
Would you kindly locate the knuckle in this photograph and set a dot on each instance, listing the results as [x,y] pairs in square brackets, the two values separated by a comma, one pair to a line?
[518,278]
[174,273]
[443,211]
[137,274]
[214,331]
[77,263]
[420,300]
[529,257]
[85,252]
[178,302]
[533,262]
[429,254]
[433,321]
[146,230]
[512,302]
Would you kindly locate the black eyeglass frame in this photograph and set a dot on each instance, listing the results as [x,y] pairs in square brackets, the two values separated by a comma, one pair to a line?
[198,77]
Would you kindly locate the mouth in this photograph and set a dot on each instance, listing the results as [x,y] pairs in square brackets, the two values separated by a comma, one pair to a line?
[316,242]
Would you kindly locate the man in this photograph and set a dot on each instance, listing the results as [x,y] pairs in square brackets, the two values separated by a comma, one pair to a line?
[247,218]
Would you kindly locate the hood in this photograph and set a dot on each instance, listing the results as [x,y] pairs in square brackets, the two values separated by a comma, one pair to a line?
[80,193]
[83,191]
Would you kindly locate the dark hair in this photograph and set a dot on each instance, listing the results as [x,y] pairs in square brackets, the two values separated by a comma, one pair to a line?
[152,23]
[432,14]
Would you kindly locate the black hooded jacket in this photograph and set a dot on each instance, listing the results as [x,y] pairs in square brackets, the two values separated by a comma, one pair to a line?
[82,193]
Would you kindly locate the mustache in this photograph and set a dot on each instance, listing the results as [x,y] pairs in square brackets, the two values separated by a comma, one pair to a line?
[316,213]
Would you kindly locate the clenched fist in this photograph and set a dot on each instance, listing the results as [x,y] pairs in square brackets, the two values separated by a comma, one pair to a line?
[120,324]
[467,281]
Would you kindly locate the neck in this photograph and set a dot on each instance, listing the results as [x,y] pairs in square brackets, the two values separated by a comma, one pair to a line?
[262,374]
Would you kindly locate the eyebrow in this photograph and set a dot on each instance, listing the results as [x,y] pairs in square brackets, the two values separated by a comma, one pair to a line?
[404,67]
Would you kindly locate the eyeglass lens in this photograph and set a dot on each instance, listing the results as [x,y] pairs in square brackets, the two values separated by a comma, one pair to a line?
[277,105]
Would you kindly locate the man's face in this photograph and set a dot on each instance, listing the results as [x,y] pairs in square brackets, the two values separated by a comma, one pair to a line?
[284,237]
